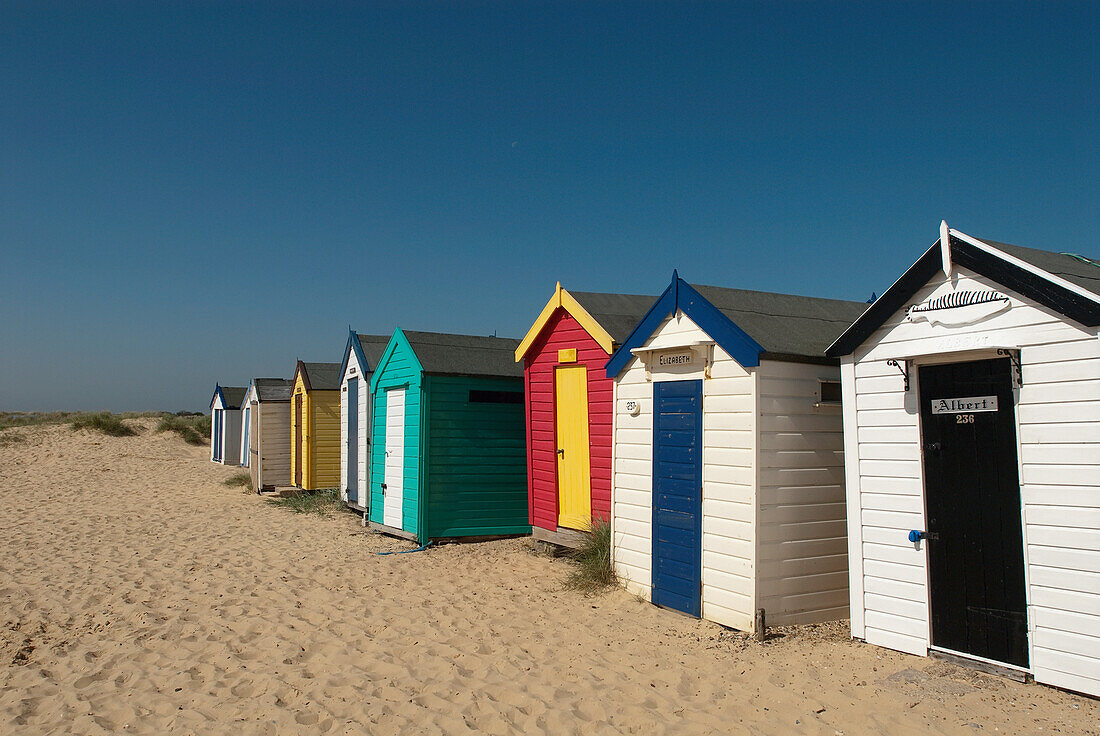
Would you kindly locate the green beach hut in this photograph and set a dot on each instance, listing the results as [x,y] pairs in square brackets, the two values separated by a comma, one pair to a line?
[448,453]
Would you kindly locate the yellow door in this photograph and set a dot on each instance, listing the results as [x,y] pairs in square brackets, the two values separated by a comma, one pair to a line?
[574,467]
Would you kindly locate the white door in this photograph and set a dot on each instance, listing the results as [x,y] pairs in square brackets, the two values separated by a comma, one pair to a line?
[393,488]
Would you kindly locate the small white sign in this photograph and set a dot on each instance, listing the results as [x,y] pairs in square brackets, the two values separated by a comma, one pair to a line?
[676,358]
[633,408]
[965,405]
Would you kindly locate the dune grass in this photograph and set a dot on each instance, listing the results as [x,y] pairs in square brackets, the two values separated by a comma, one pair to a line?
[104,422]
[31,418]
[7,439]
[592,569]
[193,428]
[321,502]
[239,480]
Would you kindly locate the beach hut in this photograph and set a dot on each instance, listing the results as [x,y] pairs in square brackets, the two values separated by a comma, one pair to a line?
[265,432]
[448,457]
[361,355]
[225,424]
[315,426]
[568,408]
[972,436]
[728,485]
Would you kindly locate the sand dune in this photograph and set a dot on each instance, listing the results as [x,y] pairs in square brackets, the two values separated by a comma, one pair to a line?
[140,594]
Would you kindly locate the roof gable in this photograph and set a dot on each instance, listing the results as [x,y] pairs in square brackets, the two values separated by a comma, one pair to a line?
[1023,270]
[231,396]
[398,344]
[368,351]
[562,299]
[747,324]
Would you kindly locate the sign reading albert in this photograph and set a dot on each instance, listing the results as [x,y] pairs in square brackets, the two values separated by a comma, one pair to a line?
[965,405]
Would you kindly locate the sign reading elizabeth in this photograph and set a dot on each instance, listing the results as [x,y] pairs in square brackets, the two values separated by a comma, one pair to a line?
[676,359]
[966,405]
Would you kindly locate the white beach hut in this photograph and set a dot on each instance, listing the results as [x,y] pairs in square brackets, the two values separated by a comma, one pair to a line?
[361,356]
[728,482]
[265,432]
[225,424]
[972,435]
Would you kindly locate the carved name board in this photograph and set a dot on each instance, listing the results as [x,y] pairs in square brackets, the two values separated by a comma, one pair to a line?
[967,405]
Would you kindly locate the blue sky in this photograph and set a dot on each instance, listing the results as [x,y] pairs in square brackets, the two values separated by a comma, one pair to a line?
[195,192]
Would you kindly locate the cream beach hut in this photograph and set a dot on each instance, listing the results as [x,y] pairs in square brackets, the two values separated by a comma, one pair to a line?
[265,432]
[972,434]
[728,483]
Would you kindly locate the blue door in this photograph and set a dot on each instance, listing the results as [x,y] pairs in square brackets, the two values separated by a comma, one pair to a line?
[218,434]
[353,440]
[245,442]
[677,494]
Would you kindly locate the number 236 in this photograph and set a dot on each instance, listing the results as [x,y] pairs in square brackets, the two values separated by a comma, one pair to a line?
[964,419]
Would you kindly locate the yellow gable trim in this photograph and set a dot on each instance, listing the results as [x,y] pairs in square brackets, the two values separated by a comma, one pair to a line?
[565,300]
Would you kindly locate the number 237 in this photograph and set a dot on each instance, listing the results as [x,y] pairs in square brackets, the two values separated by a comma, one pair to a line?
[964,419]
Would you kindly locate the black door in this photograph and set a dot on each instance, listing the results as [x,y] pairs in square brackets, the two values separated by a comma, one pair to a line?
[972,494]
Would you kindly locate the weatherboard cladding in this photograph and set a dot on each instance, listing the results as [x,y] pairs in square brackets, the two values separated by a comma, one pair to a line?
[1057,412]
[564,332]
[463,461]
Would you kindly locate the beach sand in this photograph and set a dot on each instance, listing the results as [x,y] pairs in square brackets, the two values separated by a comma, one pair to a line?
[140,594]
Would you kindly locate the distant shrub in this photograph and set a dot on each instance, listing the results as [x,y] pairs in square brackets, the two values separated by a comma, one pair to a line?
[193,428]
[593,570]
[29,418]
[104,422]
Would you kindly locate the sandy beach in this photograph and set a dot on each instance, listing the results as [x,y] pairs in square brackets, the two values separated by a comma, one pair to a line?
[138,593]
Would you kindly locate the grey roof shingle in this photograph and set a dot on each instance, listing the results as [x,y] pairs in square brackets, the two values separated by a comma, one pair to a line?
[233,396]
[785,324]
[373,346]
[273,389]
[1085,275]
[466,355]
[616,313]
[322,376]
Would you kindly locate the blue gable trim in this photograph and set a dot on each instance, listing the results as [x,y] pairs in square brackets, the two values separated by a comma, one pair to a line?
[217,393]
[680,295]
[353,344]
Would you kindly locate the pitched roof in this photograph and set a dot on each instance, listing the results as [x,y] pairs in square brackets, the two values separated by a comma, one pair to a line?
[273,389]
[233,396]
[785,324]
[465,355]
[748,325]
[373,346]
[321,376]
[616,313]
[1084,273]
[1038,279]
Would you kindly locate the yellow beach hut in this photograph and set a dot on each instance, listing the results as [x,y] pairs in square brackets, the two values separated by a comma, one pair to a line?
[315,426]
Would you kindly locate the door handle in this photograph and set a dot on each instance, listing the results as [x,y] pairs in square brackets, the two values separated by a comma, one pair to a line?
[561,451]
[383,489]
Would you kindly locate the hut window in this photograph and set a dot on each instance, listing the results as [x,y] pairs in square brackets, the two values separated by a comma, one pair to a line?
[496,397]
[830,392]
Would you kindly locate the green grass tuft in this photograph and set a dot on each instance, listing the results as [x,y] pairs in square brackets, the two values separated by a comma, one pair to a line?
[242,480]
[105,422]
[7,439]
[193,428]
[592,568]
[322,502]
[32,418]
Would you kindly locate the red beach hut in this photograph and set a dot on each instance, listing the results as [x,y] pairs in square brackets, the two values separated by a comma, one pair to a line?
[569,405]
